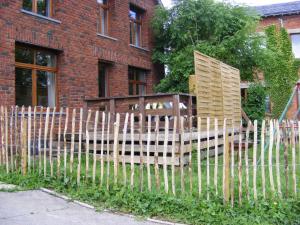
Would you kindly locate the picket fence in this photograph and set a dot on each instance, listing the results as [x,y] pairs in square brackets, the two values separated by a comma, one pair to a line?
[263,165]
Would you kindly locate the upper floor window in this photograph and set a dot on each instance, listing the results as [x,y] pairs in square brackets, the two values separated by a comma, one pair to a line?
[135,17]
[35,76]
[137,81]
[41,7]
[103,17]
[295,38]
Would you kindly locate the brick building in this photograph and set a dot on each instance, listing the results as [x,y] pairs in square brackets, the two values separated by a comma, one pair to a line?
[57,53]
[285,15]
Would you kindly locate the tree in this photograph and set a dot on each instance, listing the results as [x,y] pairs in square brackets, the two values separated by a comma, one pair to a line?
[220,30]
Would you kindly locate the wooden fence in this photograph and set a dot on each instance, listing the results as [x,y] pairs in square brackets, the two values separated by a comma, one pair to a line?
[35,140]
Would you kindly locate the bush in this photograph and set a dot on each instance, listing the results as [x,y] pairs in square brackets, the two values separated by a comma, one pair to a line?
[255,104]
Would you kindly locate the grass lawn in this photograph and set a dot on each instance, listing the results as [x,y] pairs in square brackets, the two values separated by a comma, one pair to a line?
[184,207]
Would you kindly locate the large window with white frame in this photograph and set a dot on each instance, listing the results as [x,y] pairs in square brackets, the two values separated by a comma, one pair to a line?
[41,7]
[295,39]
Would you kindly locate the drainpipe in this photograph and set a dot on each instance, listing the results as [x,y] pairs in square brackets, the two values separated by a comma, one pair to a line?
[281,22]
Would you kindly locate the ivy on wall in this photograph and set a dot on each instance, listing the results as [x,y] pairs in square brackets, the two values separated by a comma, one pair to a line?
[280,68]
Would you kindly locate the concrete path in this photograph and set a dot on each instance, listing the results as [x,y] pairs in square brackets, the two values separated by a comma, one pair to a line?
[40,208]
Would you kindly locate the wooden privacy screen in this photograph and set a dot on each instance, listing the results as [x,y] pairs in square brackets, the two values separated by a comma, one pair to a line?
[217,88]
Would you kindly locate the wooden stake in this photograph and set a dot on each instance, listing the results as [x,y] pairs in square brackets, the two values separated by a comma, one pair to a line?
[294,159]
[262,158]
[271,156]
[132,150]
[29,139]
[286,161]
[16,137]
[6,141]
[40,141]
[216,155]
[123,149]
[2,136]
[224,157]
[79,147]
[173,154]
[87,147]
[51,141]
[255,160]
[190,153]
[278,159]
[207,158]
[182,181]
[45,140]
[116,148]
[247,159]
[240,165]
[227,167]
[34,139]
[165,154]
[232,165]
[199,157]
[24,145]
[148,153]
[11,140]
[95,145]
[156,168]
[102,149]
[108,151]
[65,142]
[72,142]
[58,142]
[141,153]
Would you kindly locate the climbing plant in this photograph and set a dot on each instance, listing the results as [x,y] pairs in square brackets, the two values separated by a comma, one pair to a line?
[280,68]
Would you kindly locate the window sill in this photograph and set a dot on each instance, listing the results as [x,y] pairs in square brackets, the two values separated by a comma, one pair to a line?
[40,16]
[107,37]
[140,48]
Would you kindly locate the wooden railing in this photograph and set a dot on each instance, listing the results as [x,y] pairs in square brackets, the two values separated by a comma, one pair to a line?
[155,104]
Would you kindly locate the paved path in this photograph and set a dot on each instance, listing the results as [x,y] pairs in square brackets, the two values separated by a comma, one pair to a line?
[40,208]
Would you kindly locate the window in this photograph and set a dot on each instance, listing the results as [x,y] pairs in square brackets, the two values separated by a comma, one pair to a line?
[35,77]
[137,81]
[103,17]
[135,17]
[41,7]
[295,38]
[102,79]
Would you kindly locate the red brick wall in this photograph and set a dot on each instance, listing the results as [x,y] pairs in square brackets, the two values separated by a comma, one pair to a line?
[80,47]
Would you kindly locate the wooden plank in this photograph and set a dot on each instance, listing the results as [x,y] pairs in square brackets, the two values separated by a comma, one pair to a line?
[190,154]
[40,141]
[11,140]
[34,139]
[29,139]
[102,149]
[227,168]
[6,140]
[240,165]
[216,156]
[232,168]
[286,156]
[182,183]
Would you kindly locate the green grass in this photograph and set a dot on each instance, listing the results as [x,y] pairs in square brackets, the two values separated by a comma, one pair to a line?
[184,207]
